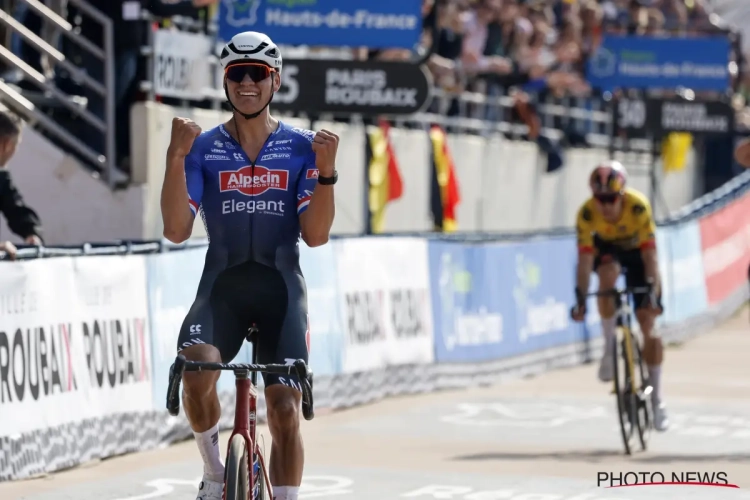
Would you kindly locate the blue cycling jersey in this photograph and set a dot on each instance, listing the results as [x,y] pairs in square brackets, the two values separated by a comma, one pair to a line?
[251,208]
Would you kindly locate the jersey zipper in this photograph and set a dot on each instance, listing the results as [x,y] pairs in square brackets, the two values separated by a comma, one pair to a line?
[252,187]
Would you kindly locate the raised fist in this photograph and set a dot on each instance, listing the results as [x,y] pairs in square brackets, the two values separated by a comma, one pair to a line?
[325,145]
[184,132]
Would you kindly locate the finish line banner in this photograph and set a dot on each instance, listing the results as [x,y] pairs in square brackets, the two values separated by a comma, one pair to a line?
[660,63]
[336,23]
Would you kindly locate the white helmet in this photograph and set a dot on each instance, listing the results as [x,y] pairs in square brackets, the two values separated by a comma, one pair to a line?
[251,46]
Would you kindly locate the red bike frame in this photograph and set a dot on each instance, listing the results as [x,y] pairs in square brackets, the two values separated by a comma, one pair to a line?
[245,419]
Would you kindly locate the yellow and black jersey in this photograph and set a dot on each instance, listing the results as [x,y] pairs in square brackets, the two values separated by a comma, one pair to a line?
[635,229]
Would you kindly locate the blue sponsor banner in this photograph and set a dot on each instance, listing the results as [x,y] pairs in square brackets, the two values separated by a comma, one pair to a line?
[699,63]
[496,300]
[681,265]
[172,284]
[338,23]
[325,316]
[471,313]
[543,294]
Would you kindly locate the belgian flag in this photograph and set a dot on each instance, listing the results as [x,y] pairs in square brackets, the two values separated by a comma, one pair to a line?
[444,195]
[384,178]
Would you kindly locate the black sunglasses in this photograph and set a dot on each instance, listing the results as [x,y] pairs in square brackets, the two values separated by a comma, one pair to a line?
[256,72]
[606,199]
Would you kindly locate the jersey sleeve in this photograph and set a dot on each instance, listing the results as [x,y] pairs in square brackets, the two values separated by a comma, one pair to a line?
[584,229]
[646,226]
[306,184]
[194,180]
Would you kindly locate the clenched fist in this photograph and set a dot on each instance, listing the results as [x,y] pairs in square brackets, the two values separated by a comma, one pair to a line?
[184,132]
[325,144]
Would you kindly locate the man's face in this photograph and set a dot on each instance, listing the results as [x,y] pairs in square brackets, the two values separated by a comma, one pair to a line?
[8,147]
[610,206]
[249,85]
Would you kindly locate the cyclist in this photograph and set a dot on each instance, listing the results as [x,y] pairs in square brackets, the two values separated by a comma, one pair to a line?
[259,184]
[616,230]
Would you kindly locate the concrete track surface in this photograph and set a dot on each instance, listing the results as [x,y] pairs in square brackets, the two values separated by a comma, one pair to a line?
[544,438]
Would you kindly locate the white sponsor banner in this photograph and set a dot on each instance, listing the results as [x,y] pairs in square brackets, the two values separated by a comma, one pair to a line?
[181,64]
[74,341]
[384,286]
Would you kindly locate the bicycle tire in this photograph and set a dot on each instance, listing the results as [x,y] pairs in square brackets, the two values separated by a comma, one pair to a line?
[621,393]
[644,416]
[236,477]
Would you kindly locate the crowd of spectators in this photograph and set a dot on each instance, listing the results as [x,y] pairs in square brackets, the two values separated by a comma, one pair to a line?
[483,46]
[539,44]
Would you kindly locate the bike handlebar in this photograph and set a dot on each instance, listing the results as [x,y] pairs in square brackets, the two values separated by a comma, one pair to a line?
[620,291]
[181,365]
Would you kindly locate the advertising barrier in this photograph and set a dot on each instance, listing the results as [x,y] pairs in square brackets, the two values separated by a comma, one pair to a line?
[384,286]
[75,361]
[681,265]
[725,239]
[521,306]
[86,341]
[326,320]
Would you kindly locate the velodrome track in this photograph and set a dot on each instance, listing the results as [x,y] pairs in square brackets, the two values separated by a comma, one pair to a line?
[543,438]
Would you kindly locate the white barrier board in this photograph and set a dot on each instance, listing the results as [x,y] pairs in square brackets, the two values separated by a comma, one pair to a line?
[74,341]
[385,288]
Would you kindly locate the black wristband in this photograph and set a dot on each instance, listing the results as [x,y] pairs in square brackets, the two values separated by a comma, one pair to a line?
[328,181]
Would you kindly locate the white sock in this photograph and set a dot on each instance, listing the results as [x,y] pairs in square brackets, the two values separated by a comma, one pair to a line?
[654,374]
[208,445]
[609,326]
[285,492]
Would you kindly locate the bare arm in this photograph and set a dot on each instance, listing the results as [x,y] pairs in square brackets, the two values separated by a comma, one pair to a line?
[583,271]
[651,267]
[175,208]
[182,173]
[316,222]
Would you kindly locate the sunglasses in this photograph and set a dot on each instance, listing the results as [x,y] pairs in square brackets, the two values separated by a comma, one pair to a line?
[607,199]
[257,72]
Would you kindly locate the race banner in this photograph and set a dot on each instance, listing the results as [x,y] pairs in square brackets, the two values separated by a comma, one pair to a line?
[498,300]
[696,117]
[111,325]
[385,293]
[368,88]
[74,336]
[335,23]
[725,237]
[625,62]
[42,363]
[181,64]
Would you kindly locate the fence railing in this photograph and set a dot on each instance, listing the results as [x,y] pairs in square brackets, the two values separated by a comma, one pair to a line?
[36,106]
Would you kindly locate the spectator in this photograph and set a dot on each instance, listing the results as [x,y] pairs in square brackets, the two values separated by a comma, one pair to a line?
[21,219]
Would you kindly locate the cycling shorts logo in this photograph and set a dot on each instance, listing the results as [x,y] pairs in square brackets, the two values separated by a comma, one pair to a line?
[312,173]
[253,183]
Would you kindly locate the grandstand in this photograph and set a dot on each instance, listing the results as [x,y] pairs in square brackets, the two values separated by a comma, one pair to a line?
[93,102]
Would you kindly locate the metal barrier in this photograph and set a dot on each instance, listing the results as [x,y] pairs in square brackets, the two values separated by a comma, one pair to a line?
[32,105]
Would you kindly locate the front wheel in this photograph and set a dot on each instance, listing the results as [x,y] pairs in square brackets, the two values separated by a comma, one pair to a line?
[236,476]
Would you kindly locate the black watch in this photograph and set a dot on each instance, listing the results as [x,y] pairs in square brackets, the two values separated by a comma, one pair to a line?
[328,181]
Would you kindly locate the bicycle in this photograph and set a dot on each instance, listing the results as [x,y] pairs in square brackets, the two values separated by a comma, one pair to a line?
[631,387]
[240,481]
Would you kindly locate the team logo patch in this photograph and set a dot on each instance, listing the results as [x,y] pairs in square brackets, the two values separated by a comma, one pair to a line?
[252,183]
[312,173]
